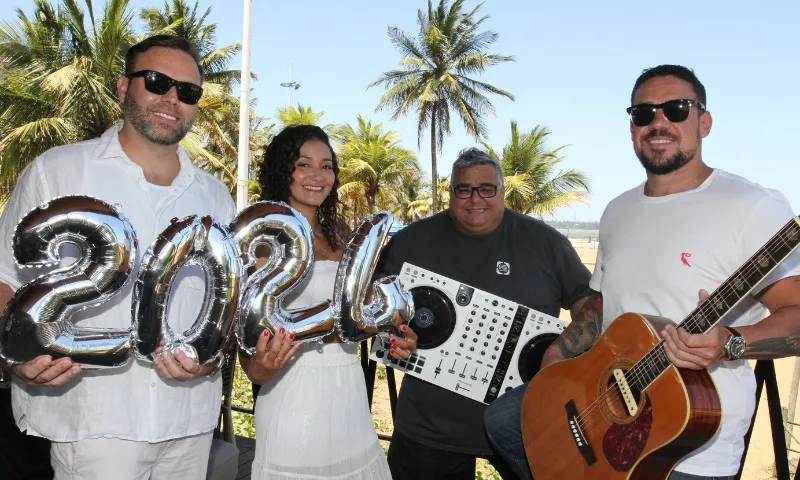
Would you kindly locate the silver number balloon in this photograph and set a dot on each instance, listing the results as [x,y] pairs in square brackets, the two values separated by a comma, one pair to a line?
[191,241]
[288,236]
[37,321]
[390,305]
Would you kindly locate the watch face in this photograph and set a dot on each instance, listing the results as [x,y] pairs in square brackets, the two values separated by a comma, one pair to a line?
[737,347]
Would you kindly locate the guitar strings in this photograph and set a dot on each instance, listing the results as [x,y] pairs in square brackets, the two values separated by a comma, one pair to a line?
[591,412]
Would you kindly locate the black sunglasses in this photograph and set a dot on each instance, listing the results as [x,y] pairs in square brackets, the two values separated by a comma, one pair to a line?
[487,190]
[675,110]
[158,83]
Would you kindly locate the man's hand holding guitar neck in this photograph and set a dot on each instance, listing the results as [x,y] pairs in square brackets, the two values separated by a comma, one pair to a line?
[776,336]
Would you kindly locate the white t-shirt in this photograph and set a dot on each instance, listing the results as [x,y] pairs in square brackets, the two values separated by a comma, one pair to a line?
[656,253]
[158,193]
[131,402]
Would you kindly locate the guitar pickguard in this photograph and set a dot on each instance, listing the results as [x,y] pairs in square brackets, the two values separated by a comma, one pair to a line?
[624,443]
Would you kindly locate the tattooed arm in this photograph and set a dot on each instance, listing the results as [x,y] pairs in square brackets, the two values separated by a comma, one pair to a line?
[777,335]
[581,333]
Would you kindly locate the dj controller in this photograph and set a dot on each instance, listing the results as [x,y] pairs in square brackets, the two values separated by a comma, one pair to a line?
[469,341]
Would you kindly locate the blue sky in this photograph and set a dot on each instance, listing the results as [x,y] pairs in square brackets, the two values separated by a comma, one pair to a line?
[576,62]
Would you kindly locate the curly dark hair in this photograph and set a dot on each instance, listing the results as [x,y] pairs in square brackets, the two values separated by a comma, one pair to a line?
[275,177]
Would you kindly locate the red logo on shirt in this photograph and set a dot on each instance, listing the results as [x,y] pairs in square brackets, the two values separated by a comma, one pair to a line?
[684,258]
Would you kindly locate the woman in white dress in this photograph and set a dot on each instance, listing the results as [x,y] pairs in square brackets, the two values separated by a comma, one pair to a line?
[312,416]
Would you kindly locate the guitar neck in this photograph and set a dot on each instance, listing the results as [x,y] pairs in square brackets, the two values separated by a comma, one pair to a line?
[724,299]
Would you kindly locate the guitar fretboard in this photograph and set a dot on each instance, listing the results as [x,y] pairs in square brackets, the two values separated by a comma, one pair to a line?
[721,301]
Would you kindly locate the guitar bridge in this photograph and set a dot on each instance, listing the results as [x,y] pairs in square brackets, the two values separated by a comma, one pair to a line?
[577,433]
[625,391]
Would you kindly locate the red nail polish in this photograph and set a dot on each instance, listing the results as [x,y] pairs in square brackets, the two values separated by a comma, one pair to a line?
[403,328]
[283,330]
[291,336]
[266,333]
[392,339]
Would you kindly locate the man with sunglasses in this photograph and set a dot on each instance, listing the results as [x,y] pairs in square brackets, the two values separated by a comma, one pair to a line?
[145,420]
[477,241]
[685,230]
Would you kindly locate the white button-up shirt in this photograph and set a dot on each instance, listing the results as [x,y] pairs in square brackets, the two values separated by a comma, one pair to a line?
[131,402]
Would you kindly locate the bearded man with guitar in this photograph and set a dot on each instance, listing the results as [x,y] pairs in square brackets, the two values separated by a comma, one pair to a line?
[645,406]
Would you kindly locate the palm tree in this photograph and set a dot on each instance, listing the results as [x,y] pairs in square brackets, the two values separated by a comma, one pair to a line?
[532,186]
[373,162]
[423,204]
[301,115]
[436,74]
[59,79]
[405,202]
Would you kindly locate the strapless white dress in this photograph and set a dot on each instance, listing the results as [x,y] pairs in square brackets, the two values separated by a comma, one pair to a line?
[313,419]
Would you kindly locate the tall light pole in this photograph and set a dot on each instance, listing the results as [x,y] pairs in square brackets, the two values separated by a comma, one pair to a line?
[291,85]
[243,170]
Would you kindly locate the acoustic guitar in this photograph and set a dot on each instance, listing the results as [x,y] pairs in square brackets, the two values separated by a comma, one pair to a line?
[621,410]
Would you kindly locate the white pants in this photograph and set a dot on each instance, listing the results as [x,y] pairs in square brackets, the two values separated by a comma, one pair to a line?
[107,458]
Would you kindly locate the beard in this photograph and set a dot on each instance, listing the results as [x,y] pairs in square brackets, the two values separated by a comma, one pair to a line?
[659,164]
[139,118]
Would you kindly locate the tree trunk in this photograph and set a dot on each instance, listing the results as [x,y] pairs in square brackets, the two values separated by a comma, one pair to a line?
[434,173]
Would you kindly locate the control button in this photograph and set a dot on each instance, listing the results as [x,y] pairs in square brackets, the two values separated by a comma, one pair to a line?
[380,353]
[494,303]
[475,340]
[485,344]
[418,370]
[421,362]
[464,336]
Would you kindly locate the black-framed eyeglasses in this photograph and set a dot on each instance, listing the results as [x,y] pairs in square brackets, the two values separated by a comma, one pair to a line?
[159,83]
[486,190]
[675,111]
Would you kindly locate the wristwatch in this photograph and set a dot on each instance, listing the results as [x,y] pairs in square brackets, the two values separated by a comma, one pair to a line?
[735,346]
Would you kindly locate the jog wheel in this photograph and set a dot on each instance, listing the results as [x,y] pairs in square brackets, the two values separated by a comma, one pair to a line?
[530,357]
[434,317]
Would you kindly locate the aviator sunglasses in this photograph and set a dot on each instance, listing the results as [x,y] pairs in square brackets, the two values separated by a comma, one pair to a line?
[158,83]
[674,110]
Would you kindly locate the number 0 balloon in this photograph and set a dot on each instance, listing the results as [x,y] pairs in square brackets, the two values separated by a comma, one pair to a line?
[37,321]
[191,241]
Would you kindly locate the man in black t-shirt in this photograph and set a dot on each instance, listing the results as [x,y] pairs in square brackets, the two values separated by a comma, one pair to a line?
[477,241]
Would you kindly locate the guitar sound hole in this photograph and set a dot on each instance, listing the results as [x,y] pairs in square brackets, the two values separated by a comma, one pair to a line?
[612,402]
